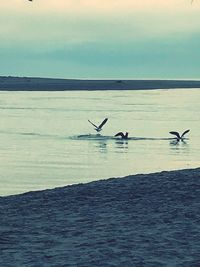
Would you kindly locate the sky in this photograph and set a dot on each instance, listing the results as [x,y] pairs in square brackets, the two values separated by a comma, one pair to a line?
[149,39]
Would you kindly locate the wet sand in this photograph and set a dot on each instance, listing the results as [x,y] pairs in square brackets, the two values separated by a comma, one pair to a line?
[140,220]
[49,84]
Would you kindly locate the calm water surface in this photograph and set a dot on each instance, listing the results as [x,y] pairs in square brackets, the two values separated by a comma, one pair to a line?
[41,147]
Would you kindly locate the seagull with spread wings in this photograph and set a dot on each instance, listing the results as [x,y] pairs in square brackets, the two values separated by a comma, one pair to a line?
[178,136]
[123,136]
[99,128]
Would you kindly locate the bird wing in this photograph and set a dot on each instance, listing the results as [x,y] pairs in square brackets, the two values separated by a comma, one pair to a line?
[93,124]
[175,133]
[119,134]
[184,133]
[103,122]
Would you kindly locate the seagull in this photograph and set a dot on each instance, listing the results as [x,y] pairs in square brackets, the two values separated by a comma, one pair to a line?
[99,128]
[178,136]
[123,136]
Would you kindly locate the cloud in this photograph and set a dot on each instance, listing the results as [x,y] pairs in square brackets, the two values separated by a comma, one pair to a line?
[50,23]
[106,36]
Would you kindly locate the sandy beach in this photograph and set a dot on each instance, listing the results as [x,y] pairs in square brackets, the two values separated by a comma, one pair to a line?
[49,84]
[141,220]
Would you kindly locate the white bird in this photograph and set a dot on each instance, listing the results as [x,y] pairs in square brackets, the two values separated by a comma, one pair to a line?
[178,136]
[99,128]
[123,136]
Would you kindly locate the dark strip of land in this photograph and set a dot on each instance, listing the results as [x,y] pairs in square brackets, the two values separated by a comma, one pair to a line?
[9,83]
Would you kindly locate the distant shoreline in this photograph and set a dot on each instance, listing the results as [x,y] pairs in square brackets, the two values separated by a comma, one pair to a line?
[9,83]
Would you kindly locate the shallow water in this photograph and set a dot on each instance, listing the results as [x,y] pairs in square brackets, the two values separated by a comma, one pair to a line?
[46,140]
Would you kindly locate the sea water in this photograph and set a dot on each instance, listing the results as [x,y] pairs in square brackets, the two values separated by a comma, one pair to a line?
[46,140]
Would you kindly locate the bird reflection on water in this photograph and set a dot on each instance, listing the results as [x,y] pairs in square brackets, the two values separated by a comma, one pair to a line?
[179,147]
[101,145]
[122,144]
[175,142]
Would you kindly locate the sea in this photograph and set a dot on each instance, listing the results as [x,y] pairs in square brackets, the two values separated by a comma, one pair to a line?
[46,140]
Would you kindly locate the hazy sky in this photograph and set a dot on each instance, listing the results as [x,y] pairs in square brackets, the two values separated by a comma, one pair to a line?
[100,38]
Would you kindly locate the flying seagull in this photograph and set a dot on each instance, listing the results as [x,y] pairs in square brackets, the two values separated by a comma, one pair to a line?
[123,136]
[178,136]
[99,128]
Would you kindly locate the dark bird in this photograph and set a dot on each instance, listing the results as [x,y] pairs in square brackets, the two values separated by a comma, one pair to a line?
[99,128]
[123,136]
[178,136]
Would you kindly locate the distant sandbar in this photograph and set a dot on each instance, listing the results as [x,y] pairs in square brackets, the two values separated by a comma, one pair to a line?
[9,83]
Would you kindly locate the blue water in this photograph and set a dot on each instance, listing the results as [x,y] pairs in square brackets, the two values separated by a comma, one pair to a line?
[46,140]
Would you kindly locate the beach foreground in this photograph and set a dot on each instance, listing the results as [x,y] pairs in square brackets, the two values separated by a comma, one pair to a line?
[141,220]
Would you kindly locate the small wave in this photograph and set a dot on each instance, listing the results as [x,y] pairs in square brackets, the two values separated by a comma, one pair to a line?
[33,134]
[106,137]
[52,136]
[91,137]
